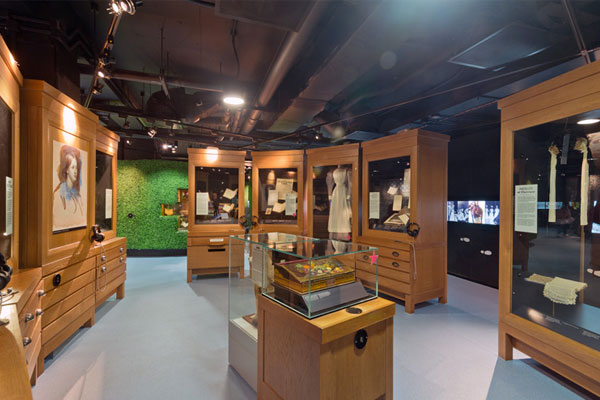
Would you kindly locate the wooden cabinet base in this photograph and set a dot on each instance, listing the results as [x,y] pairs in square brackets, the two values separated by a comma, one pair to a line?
[307,359]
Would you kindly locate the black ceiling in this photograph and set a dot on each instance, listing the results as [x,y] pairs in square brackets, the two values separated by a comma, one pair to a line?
[332,68]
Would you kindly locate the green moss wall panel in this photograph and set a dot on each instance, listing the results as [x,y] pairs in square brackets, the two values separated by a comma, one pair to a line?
[142,186]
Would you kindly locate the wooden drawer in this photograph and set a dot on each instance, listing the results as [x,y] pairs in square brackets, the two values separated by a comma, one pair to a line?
[31,312]
[66,289]
[393,263]
[383,271]
[111,253]
[208,257]
[55,311]
[68,274]
[391,285]
[209,241]
[32,344]
[67,318]
[104,278]
[112,264]
[50,344]
[397,254]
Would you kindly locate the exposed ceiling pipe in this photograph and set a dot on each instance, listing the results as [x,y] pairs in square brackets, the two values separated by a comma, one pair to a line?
[143,77]
[293,44]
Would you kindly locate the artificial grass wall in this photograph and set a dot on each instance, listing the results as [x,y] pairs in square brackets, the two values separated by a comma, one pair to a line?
[142,186]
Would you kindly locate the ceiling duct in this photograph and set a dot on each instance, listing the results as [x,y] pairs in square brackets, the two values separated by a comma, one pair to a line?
[511,43]
[293,44]
[286,15]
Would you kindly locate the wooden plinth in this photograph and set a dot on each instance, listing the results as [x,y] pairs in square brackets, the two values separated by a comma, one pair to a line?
[307,359]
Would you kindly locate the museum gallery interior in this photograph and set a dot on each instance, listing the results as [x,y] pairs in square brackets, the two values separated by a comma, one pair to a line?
[317,199]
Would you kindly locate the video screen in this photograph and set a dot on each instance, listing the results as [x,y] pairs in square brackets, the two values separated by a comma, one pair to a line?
[474,212]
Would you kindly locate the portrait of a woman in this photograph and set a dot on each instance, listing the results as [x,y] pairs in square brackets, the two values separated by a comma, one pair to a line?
[69,188]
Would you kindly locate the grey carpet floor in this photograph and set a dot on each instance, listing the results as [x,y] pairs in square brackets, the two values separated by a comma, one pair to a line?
[168,340]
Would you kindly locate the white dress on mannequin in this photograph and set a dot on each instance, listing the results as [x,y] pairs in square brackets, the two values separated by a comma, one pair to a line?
[340,211]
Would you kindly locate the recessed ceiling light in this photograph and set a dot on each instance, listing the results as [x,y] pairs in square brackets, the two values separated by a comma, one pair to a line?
[588,121]
[233,100]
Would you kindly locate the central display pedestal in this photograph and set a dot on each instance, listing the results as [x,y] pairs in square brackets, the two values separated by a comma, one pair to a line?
[341,355]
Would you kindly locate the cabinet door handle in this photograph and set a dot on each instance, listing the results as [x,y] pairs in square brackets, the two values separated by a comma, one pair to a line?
[39,312]
[41,293]
[395,264]
[26,341]
[395,253]
[487,252]
[28,317]
[121,259]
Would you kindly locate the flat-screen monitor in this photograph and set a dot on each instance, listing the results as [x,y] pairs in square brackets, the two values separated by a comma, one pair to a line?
[474,212]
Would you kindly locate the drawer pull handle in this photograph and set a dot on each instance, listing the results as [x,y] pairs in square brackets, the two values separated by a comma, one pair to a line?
[395,253]
[26,341]
[56,280]
[29,317]
[121,249]
[395,264]
[103,258]
[366,258]
[103,269]
[41,293]
[39,312]
[121,259]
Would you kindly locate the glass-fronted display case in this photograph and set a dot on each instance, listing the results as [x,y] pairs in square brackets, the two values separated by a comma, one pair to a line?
[278,190]
[556,239]
[216,195]
[389,194]
[310,276]
[6,183]
[104,190]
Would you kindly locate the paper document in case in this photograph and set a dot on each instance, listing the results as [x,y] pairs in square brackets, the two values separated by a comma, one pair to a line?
[397,206]
[283,186]
[202,203]
[290,204]
[230,194]
[108,198]
[374,205]
[272,198]
[279,207]
[9,206]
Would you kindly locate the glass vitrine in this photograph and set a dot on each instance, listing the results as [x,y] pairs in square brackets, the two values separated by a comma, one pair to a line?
[332,201]
[389,194]
[311,276]
[6,183]
[216,195]
[278,195]
[556,239]
[104,191]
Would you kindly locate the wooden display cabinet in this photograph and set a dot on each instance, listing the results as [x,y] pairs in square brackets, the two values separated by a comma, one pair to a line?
[324,357]
[532,117]
[276,170]
[211,172]
[112,260]
[412,164]
[321,164]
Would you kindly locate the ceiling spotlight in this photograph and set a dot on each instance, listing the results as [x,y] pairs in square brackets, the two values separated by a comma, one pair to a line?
[121,6]
[233,100]
[151,132]
[101,74]
[317,136]
[588,121]
[128,141]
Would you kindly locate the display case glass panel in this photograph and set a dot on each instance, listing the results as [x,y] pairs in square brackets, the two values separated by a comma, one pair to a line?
[278,196]
[556,250]
[6,182]
[216,195]
[332,202]
[310,276]
[104,190]
[389,194]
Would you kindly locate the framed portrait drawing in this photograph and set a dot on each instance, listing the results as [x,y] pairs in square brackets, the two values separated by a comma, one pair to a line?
[69,187]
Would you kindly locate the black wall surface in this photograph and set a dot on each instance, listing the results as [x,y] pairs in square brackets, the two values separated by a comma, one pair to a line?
[474,174]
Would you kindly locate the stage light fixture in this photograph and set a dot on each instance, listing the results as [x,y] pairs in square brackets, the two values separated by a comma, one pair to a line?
[121,6]
[151,132]
[101,74]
